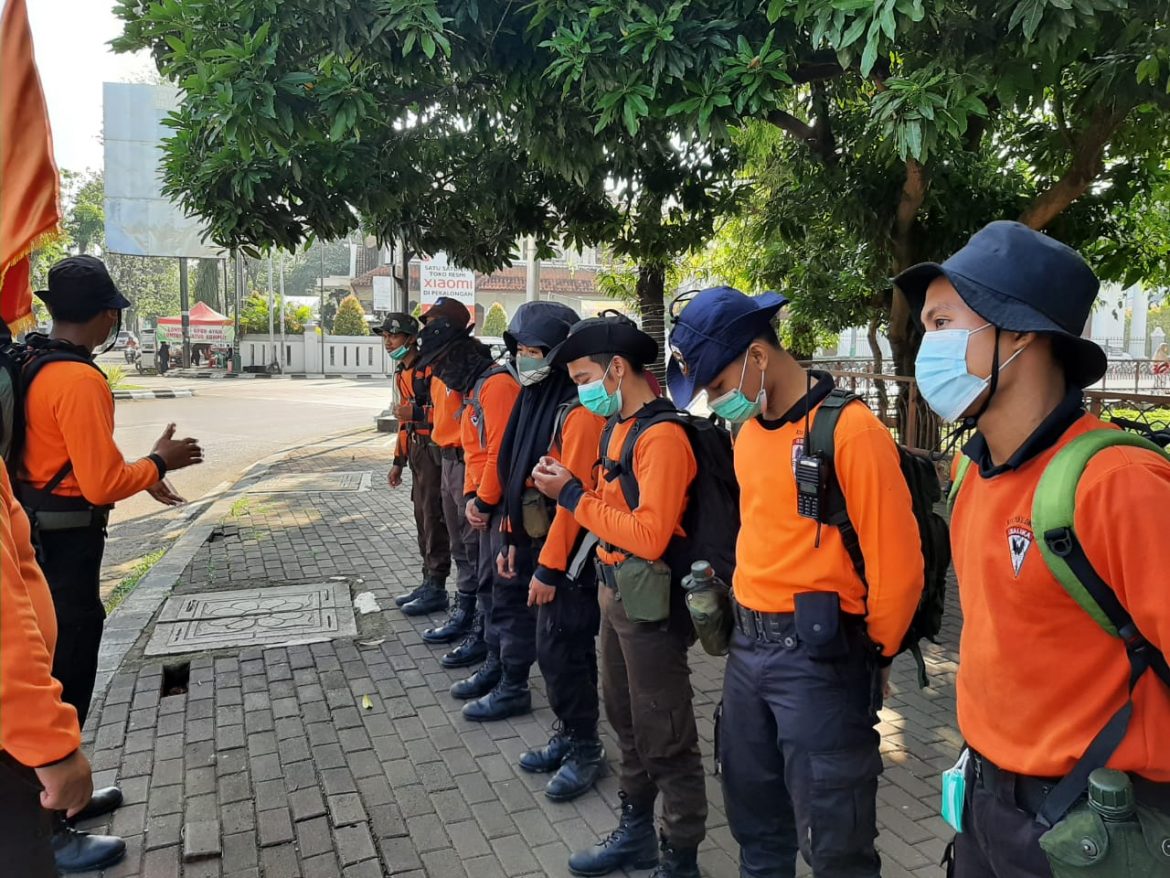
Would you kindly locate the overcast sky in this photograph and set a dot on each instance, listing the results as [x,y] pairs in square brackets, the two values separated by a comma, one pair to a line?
[71,38]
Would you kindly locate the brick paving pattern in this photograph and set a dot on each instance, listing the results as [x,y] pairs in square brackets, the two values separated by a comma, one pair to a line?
[272,765]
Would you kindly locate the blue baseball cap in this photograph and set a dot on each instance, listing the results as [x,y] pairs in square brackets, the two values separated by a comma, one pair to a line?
[712,329]
[1021,280]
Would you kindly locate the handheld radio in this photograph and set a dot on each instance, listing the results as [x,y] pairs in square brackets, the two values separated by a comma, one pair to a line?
[811,475]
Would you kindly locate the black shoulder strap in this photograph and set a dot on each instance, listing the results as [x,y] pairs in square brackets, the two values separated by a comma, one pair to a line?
[565,409]
[652,413]
[1142,655]
[822,443]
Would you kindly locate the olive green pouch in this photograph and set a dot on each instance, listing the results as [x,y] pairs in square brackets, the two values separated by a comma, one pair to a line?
[644,587]
[1083,845]
[535,514]
[709,604]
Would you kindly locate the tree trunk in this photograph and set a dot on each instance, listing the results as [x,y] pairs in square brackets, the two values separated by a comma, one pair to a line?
[651,290]
[207,284]
[878,366]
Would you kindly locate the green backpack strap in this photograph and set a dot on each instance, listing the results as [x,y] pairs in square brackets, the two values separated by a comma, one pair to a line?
[957,483]
[1054,510]
[1053,515]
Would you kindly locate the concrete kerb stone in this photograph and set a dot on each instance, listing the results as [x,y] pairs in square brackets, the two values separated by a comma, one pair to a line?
[153,394]
[133,615]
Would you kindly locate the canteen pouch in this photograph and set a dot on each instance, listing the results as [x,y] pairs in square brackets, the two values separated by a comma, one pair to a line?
[710,607]
[644,587]
[534,513]
[1083,845]
[818,625]
[954,791]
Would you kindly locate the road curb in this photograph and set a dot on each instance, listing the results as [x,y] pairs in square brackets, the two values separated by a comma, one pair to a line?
[153,394]
[130,619]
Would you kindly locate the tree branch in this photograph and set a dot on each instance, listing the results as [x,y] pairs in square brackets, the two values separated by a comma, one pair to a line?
[800,130]
[1086,165]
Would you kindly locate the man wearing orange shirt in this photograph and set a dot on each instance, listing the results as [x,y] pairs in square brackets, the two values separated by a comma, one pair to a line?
[42,768]
[645,678]
[801,693]
[1043,690]
[70,474]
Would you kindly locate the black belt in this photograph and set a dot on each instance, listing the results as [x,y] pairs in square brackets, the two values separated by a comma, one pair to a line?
[452,452]
[606,575]
[1028,793]
[80,519]
[767,627]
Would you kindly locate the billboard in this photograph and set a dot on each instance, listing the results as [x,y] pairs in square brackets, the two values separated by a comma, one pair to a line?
[140,221]
[437,278]
[383,293]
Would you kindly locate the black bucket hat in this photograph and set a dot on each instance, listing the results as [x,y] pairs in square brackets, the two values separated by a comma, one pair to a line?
[608,333]
[80,288]
[398,324]
[1021,280]
[540,325]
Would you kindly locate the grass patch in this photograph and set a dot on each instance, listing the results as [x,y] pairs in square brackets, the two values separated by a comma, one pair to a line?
[241,507]
[122,589]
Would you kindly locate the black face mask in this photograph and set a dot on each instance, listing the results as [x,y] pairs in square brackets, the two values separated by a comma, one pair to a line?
[112,338]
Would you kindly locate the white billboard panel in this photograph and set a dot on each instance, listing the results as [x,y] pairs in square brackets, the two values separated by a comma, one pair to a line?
[139,220]
[437,278]
[383,293]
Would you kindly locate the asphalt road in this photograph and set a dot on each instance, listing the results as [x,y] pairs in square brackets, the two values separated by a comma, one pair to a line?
[238,423]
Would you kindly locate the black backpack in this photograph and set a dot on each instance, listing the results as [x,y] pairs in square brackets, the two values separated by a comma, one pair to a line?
[711,518]
[925,491]
[20,363]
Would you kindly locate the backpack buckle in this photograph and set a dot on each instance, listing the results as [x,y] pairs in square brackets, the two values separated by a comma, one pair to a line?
[1135,641]
[1060,541]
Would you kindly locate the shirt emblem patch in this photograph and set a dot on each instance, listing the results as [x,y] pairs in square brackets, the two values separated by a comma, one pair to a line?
[1020,540]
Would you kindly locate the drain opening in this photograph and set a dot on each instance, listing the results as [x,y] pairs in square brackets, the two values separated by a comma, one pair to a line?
[175,679]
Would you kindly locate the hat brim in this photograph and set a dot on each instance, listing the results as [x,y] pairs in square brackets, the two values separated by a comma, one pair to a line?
[639,348]
[1085,363]
[680,387]
[117,303]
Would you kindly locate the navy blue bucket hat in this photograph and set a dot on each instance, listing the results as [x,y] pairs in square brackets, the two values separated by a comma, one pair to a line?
[1021,280]
[540,325]
[711,329]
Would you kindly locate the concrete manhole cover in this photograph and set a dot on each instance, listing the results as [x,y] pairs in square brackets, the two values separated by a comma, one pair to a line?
[313,483]
[255,616]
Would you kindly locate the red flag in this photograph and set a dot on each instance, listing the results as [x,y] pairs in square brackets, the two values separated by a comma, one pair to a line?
[29,188]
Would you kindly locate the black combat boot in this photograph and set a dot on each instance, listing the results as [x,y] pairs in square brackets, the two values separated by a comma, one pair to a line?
[632,845]
[482,681]
[510,697]
[579,771]
[471,651]
[542,760]
[677,862]
[458,623]
[431,599]
[406,597]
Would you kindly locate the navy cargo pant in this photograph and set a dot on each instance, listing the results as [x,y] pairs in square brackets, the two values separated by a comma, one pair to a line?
[800,756]
[511,623]
[566,647]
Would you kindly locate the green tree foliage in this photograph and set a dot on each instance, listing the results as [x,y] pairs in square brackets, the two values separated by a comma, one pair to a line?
[496,321]
[351,318]
[208,279]
[254,315]
[151,284]
[320,118]
[85,209]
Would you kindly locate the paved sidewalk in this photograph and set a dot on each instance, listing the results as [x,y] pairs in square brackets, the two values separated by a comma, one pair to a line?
[348,758]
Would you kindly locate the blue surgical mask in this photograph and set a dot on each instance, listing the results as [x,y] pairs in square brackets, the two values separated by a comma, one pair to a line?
[734,406]
[941,370]
[597,399]
[531,370]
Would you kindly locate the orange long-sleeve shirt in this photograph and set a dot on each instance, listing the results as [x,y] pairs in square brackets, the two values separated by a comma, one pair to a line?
[664,467]
[419,424]
[777,556]
[36,727]
[1038,678]
[446,408]
[70,417]
[580,437]
[497,397]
